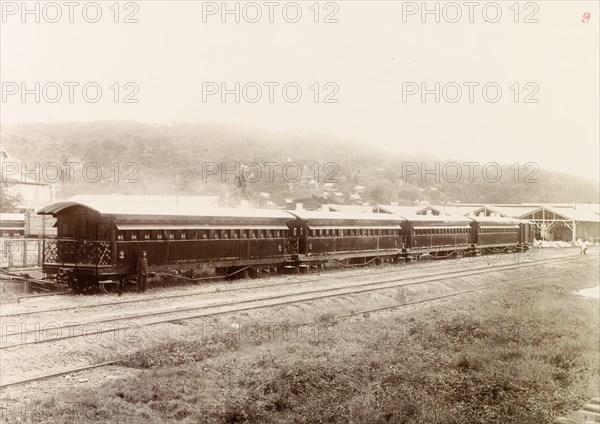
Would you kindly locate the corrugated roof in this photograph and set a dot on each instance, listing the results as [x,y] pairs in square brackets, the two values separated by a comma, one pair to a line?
[351,208]
[402,210]
[461,209]
[578,214]
[514,211]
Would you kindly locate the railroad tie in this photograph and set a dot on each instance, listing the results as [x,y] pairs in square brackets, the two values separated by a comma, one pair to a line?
[588,414]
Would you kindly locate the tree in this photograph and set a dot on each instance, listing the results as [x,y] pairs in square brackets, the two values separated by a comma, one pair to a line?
[9,202]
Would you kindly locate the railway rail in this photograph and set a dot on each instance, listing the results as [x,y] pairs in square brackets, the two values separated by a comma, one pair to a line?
[362,312]
[225,290]
[346,290]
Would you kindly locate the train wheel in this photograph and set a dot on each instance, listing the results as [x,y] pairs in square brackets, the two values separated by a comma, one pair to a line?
[108,287]
[78,286]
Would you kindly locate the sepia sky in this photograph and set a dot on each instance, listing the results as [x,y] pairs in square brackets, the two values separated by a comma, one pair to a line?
[370,58]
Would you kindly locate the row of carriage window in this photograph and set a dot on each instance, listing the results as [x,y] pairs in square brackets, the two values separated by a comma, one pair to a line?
[103,232]
[248,234]
[198,234]
[434,231]
[498,230]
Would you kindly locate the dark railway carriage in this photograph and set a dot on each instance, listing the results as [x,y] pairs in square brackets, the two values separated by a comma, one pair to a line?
[99,243]
[499,234]
[437,235]
[349,238]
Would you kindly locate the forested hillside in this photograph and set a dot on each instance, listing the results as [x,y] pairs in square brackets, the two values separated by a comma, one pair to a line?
[181,159]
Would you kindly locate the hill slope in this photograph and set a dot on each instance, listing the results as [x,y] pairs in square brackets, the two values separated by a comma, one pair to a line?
[180,158]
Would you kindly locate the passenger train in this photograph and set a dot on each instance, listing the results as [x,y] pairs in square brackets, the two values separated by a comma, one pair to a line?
[98,242]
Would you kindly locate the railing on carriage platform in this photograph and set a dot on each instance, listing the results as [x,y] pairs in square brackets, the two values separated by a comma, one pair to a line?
[291,246]
[79,252]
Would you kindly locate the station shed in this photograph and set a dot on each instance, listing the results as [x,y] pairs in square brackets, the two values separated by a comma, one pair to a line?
[556,222]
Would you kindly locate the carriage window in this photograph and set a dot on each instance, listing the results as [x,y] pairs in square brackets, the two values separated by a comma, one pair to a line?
[244,233]
[278,234]
[262,233]
[170,235]
[183,235]
[235,234]
[225,234]
[132,235]
[68,229]
[295,231]
[120,235]
[146,236]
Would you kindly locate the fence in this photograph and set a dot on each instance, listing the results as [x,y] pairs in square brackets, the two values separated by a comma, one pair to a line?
[20,252]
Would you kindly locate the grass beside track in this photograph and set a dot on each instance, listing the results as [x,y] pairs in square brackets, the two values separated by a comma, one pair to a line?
[515,354]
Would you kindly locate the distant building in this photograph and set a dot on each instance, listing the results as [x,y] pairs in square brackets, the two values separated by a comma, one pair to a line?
[17,179]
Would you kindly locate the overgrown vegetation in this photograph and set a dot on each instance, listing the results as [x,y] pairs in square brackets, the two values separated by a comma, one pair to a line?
[519,355]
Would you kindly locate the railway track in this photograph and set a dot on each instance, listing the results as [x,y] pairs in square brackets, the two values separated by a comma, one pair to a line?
[362,312]
[225,290]
[345,290]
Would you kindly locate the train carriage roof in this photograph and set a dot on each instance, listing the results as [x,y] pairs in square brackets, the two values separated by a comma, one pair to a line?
[497,221]
[437,221]
[135,210]
[341,220]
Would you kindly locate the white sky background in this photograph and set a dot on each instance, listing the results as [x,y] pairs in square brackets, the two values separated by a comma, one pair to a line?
[368,54]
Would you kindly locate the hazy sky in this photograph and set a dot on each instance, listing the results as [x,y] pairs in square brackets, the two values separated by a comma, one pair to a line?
[373,55]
